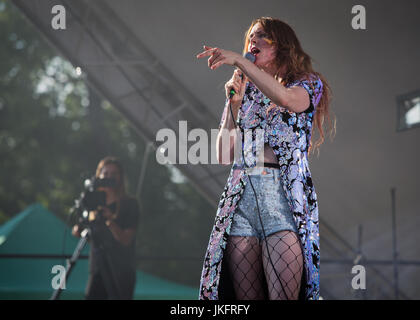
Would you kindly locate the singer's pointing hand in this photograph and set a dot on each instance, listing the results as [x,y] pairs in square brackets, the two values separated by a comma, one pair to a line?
[219,56]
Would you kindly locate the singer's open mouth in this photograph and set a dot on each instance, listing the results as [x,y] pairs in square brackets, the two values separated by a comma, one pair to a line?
[255,51]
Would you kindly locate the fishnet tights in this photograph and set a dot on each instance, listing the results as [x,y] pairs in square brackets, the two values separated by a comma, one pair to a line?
[249,266]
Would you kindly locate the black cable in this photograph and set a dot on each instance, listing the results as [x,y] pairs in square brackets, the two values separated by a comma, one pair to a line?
[256,199]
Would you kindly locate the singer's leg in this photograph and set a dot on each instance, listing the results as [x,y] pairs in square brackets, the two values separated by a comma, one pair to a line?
[245,267]
[286,256]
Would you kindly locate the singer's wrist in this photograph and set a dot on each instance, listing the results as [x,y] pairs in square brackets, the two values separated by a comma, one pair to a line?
[235,107]
[239,62]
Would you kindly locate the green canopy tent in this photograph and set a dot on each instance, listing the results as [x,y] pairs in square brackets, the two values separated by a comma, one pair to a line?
[30,244]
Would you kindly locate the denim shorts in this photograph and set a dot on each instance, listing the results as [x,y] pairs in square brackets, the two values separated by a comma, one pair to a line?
[274,208]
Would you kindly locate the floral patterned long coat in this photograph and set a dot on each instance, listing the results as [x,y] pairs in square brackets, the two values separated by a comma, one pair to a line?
[289,134]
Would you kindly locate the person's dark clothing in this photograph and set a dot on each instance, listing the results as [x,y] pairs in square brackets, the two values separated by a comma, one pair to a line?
[112,266]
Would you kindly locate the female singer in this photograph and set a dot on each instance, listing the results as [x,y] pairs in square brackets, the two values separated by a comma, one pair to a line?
[265,240]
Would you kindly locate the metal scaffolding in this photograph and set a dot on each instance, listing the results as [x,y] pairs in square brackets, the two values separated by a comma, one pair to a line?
[361,259]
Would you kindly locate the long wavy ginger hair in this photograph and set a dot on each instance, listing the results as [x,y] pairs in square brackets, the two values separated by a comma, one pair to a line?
[298,65]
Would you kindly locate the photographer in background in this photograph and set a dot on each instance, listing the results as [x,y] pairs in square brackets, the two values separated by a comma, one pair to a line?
[112,270]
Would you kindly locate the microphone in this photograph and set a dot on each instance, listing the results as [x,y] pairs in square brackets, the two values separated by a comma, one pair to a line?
[251,58]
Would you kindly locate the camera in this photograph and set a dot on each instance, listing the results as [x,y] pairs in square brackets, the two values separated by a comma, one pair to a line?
[92,198]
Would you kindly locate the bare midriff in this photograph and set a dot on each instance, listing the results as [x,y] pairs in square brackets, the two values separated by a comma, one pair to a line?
[269,156]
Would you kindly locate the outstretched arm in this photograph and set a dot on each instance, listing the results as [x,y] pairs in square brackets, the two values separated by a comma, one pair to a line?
[295,99]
